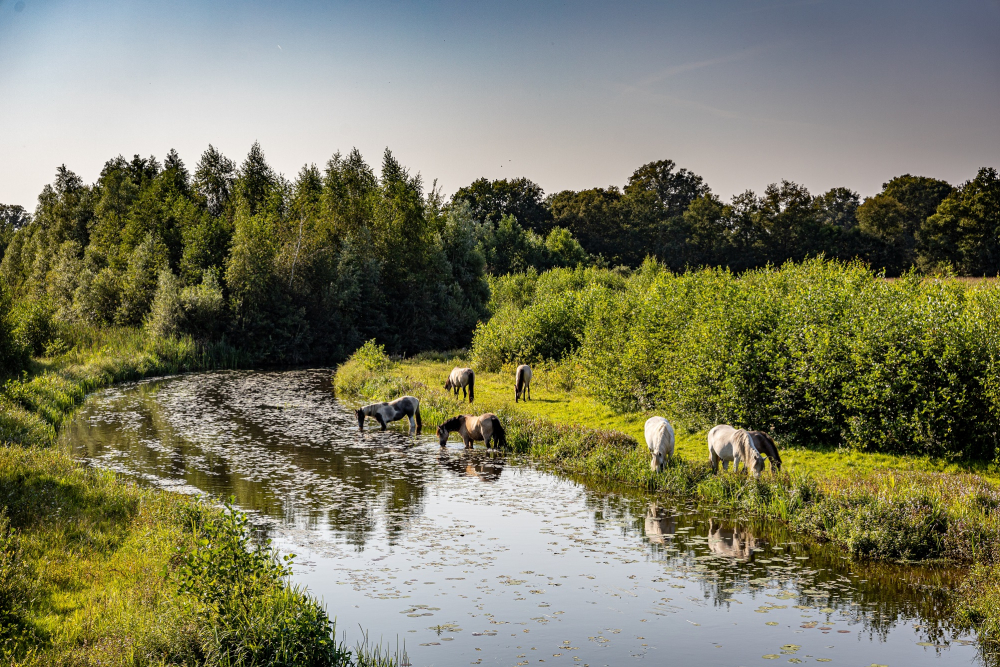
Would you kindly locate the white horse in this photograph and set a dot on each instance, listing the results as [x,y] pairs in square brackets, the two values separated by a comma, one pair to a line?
[462,378]
[522,382]
[726,444]
[383,413]
[660,440]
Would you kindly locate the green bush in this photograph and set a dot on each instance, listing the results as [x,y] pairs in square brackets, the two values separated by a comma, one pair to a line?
[821,353]
[257,618]
[12,353]
[34,327]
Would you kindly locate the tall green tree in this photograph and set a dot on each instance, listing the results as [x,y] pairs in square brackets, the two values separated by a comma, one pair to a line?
[490,201]
[964,233]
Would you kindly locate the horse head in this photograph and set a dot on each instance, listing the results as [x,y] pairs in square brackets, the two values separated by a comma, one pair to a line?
[360,414]
[442,435]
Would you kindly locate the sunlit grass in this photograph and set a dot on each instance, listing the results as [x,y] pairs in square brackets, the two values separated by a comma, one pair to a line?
[561,405]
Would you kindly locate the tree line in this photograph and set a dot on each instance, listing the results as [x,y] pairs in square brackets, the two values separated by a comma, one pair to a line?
[672,215]
[309,268]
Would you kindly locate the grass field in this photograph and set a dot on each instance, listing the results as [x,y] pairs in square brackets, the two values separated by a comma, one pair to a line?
[552,400]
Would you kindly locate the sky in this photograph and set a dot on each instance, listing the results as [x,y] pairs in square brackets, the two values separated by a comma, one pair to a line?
[572,95]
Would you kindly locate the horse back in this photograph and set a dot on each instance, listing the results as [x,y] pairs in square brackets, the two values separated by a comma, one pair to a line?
[460,377]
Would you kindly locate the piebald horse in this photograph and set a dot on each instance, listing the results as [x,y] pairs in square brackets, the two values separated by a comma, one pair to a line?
[383,413]
[765,445]
[486,428]
[460,378]
[660,440]
[726,444]
[522,382]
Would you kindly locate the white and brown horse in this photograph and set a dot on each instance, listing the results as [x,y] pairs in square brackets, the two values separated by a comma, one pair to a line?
[522,383]
[462,378]
[484,428]
[726,444]
[383,413]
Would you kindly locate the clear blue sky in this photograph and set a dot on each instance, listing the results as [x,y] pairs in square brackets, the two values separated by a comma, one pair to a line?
[570,94]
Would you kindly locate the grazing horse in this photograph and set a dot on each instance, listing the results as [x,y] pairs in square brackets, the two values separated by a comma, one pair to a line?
[726,444]
[765,445]
[460,378]
[407,406]
[485,427]
[522,382]
[660,440]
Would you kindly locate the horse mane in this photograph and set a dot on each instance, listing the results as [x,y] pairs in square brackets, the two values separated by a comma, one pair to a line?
[453,424]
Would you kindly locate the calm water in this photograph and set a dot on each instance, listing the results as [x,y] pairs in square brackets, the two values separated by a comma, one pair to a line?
[470,559]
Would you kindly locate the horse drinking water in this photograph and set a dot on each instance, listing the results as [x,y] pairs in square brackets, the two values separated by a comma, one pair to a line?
[486,428]
[383,413]
[522,382]
[460,378]
[726,444]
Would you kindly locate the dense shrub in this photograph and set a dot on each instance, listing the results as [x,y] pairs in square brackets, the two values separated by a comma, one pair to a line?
[12,353]
[821,353]
[34,327]
[257,618]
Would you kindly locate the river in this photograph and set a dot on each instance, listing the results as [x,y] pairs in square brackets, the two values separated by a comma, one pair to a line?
[468,558]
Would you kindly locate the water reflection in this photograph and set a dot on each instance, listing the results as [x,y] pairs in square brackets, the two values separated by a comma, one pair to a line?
[659,524]
[391,529]
[732,540]
[486,466]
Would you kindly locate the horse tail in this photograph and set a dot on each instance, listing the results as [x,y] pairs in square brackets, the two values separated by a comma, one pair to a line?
[518,383]
[499,434]
[472,387]
[420,423]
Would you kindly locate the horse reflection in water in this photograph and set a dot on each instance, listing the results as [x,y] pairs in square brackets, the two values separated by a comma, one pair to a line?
[659,527]
[473,465]
[731,541]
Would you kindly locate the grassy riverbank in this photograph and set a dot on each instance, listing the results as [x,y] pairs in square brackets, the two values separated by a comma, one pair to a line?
[876,506]
[97,571]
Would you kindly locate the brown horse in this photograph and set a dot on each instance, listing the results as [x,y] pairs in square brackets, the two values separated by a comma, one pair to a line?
[460,378]
[765,445]
[485,428]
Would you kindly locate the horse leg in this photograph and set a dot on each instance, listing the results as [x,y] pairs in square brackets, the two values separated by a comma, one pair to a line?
[380,421]
[714,458]
[413,423]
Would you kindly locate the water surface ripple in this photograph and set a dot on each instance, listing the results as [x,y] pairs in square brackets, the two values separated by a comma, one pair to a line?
[470,559]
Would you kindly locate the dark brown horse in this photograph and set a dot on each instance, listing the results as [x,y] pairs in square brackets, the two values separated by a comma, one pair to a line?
[484,428]
[765,445]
